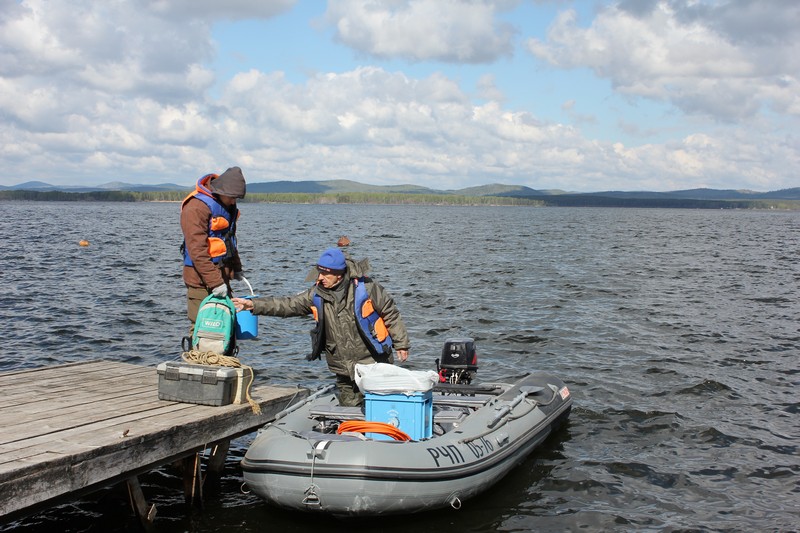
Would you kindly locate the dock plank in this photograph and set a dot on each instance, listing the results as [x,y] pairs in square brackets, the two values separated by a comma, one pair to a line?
[92,435]
[74,428]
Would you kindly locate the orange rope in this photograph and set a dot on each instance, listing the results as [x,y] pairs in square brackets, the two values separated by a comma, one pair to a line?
[373,427]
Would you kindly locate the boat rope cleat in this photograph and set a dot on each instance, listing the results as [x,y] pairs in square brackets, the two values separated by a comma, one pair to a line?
[311,499]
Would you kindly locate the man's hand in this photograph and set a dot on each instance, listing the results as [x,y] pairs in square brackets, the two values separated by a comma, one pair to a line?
[243,304]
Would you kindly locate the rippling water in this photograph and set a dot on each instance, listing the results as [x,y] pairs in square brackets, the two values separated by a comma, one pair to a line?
[676,330]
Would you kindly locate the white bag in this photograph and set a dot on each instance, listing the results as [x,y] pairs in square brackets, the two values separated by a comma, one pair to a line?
[383,378]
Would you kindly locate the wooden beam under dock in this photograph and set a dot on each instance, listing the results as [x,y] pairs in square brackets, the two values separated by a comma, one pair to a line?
[70,429]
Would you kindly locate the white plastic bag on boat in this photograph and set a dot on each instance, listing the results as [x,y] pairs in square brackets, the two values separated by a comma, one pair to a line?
[383,378]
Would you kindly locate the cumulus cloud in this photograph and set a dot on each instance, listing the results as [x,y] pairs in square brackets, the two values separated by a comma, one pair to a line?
[488,90]
[727,60]
[92,92]
[462,31]
[120,48]
[180,10]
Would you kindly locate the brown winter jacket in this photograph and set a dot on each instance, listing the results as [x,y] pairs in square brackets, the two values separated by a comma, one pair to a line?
[195,217]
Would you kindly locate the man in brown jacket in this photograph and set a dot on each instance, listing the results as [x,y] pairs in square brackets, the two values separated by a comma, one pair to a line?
[357,320]
[208,220]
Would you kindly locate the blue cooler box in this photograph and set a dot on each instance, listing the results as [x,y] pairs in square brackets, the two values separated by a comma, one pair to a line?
[411,414]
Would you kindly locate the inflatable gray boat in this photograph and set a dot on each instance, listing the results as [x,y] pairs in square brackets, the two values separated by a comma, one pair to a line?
[320,457]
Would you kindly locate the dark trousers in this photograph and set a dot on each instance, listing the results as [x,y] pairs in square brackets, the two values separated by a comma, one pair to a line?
[194,297]
[349,395]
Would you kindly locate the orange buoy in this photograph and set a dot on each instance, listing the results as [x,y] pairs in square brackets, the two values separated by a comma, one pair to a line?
[84,242]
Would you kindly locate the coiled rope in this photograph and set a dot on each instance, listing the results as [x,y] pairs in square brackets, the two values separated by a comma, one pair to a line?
[373,427]
[214,359]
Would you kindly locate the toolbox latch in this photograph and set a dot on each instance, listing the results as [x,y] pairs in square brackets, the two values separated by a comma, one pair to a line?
[172,373]
[209,377]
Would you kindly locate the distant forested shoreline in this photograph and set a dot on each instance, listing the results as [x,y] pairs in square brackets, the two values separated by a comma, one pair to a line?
[378,198]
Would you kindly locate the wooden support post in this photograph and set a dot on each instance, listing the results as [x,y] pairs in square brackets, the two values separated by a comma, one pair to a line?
[193,480]
[139,504]
[216,464]
[197,485]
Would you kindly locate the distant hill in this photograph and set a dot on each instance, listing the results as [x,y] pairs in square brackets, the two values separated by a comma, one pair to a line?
[551,197]
[497,189]
[332,186]
[113,186]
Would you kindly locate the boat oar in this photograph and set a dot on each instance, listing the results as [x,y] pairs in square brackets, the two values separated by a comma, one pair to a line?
[505,409]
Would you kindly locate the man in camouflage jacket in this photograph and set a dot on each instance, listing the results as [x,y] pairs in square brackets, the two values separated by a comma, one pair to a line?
[342,341]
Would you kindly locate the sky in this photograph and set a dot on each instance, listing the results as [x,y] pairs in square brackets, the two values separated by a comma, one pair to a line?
[580,96]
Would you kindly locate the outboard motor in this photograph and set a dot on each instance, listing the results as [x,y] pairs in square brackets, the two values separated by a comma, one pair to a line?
[459,361]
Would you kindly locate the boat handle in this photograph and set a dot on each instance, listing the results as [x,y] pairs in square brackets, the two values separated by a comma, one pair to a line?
[455,502]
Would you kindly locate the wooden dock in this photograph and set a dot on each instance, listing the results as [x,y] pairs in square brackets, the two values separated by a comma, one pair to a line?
[70,429]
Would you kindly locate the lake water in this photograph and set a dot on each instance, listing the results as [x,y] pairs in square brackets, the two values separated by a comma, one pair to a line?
[677,332]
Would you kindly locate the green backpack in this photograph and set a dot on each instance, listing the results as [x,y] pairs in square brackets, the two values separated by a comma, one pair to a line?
[215,326]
